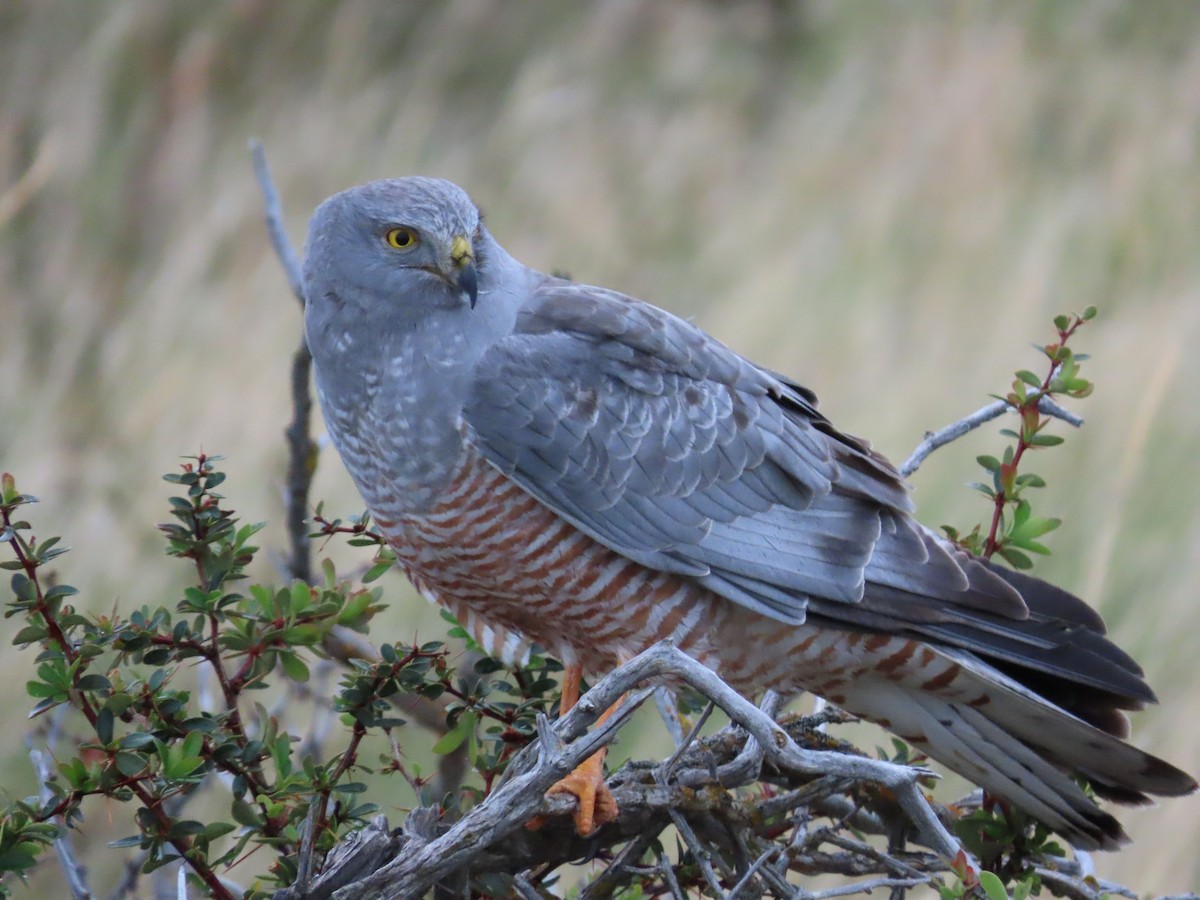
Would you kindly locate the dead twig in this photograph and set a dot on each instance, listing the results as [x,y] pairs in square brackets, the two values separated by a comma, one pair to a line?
[63,847]
[302,450]
[952,432]
[502,816]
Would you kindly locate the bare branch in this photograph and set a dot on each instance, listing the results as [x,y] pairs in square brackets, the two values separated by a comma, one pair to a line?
[525,889]
[664,774]
[747,878]
[668,874]
[1074,878]
[274,217]
[63,847]
[668,710]
[497,824]
[305,862]
[302,462]
[700,853]
[952,432]
[617,873]
[865,887]
[302,450]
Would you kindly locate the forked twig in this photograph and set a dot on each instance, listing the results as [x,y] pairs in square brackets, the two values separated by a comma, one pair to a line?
[952,432]
[506,810]
[301,448]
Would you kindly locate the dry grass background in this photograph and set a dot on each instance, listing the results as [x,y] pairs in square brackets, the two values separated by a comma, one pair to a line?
[888,201]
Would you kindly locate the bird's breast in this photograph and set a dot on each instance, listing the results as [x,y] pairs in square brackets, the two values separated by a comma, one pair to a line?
[516,574]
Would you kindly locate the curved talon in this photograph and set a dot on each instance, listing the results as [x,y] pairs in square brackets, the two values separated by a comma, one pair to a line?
[596,806]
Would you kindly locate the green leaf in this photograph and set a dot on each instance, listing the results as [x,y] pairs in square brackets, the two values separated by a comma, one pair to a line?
[1045,440]
[180,767]
[8,489]
[104,725]
[992,886]
[138,740]
[1015,558]
[988,462]
[93,682]
[118,703]
[294,667]
[134,840]
[23,587]
[60,590]
[130,764]
[301,596]
[185,828]
[20,856]
[1032,527]
[30,634]
[193,743]
[215,830]
[377,570]
[453,739]
[41,689]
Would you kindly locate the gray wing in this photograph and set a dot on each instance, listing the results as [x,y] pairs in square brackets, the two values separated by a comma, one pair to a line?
[666,446]
[671,449]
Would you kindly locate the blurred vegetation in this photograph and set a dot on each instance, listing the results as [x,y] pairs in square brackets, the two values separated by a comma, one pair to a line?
[881,200]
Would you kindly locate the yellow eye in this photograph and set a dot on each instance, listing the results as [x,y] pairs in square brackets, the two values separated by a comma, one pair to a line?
[401,238]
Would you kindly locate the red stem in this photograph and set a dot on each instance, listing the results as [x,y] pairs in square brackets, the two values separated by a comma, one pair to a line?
[182,845]
[1031,401]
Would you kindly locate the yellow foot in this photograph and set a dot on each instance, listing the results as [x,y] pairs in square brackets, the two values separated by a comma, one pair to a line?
[596,805]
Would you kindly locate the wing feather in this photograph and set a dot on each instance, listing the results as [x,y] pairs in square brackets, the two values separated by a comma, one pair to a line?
[668,447]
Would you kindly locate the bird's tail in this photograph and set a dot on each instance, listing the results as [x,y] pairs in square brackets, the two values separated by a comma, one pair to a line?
[1016,744]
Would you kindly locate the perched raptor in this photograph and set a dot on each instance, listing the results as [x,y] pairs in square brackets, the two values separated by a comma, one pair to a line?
[564,465]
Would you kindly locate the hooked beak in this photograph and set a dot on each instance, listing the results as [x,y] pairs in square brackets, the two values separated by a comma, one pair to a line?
[463,259]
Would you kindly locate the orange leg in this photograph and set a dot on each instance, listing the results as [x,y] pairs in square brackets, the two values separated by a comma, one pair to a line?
[596,804]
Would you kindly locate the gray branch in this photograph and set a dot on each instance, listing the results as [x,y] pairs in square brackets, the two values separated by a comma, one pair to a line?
[273,210]
[302,450]
[952,432]
[499,822]
[67,859]
[693,792]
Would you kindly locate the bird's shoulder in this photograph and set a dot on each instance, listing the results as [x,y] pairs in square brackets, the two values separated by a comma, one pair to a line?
[604,328]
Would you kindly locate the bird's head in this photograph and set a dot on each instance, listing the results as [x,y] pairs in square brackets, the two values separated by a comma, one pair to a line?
[398,248]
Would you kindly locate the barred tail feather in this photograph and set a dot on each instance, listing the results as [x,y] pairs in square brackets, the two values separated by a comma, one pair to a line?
[1019,746]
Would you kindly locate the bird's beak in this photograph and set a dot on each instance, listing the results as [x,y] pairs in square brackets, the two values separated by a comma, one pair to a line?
[463,259]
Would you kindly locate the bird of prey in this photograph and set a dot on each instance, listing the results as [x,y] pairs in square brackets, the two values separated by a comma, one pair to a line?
[564,465]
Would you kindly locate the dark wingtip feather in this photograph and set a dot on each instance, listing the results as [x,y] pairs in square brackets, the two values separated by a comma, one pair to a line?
[1155,776]
[1053,602]
[1106,833]
[1169,781]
